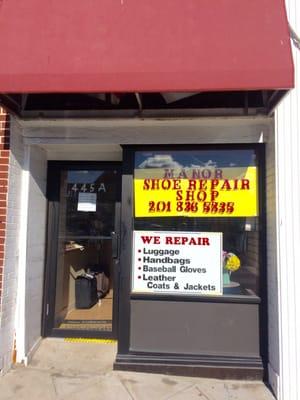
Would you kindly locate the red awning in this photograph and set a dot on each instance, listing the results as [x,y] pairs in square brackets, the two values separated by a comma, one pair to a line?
[143,46]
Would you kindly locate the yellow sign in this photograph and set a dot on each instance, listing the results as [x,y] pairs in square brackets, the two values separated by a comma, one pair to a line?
[227,192]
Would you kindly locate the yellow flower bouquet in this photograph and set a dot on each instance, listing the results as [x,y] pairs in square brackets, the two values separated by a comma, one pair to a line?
[231,263]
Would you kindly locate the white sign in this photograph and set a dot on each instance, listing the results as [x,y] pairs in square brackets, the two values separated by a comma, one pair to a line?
[177,262]
[87,202]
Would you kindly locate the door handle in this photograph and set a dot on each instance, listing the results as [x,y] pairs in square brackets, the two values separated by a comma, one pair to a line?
[115,245]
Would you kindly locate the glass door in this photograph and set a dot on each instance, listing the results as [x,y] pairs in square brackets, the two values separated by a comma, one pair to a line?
[87,220]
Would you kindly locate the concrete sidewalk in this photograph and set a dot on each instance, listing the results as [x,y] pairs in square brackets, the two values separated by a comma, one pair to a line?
[83,371]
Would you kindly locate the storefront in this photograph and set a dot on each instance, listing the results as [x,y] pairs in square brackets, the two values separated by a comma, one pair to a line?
[147,165]
[174,239]
[197,215]
[176,234]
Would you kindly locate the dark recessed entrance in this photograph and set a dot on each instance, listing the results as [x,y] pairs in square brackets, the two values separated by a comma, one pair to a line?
[81,294]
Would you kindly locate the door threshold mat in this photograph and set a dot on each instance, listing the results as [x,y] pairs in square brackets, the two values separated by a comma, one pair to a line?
[88,327]
[92,340]
[87,321]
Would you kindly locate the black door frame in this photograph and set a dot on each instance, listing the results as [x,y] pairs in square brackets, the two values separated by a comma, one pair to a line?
[53,191]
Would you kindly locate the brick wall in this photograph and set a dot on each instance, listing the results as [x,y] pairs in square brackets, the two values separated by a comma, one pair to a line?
[4,163]
[10,263]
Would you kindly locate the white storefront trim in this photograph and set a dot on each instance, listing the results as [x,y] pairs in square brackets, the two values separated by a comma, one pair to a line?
[21,292]
[287,142]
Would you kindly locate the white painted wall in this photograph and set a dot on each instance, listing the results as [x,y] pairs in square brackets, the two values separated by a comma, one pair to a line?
[272,267]
[32,234]
[36,239]
[12,254]
[111,132]
[24,251]
[287,142]
[32,238]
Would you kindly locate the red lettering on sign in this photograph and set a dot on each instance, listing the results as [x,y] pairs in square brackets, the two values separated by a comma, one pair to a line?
[219,173]
[146,184]
[179,195]
[186,240]
[192,184]
[169,173]
[205,242]
[164,184]
[214,183]
[214,194]
[226,185]
[149,239]
[189,195]
[245,184]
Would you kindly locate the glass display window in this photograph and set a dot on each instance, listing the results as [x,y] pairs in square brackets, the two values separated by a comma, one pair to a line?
[204,191]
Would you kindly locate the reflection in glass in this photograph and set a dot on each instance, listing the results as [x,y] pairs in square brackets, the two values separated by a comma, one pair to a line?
[241,234]
[84,281]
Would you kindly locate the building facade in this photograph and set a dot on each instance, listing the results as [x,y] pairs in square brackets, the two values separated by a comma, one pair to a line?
[90,197]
